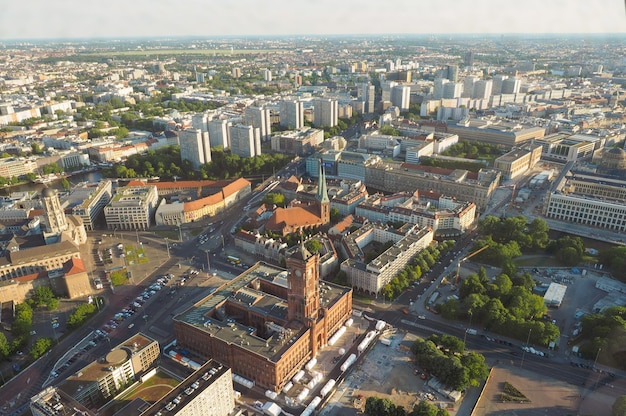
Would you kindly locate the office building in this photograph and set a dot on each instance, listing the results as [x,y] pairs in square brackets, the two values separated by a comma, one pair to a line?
[292,114]
[90,201]
[588,199]
[444,215]
[132,208]
[208,391]
[299,142]
[259,117]
[325,113]
[54,402]
[235,72]
[268,322]
[518,161]
[401,97]
[245,141]
[194,147]
[468,58]
[495,131]
[12,166]
[100,381]
[219,133]
[29,261]
[367,94]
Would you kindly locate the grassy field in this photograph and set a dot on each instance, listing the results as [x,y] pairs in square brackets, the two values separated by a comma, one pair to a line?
[150,391]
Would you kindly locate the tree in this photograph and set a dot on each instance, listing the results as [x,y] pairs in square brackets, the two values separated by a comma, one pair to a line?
[36,149]
[335,216]
[23,321]
[424,408]
[43,296]
[313,245]
[65,184]
[619,406]
[274,198]
[40,347]
[4,347]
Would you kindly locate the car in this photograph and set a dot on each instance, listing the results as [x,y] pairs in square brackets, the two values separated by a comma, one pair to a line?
[130,326]
[55,325]
[421,317]
[33,332]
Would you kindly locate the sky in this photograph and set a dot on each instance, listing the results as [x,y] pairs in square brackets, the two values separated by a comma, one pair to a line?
[54,19]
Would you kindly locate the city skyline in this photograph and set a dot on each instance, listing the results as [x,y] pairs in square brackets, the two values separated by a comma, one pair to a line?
[64,20]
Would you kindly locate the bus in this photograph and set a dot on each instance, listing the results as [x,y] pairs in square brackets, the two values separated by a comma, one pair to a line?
[233,260]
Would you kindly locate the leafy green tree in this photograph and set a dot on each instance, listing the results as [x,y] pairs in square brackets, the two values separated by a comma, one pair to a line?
[423,408]
[313,245]
[274,198]
[23,321]
[5,348]
[335,216]
[36,148]
[619,406]
[80,315]
[40,347]
[43,296]
[65,184]
[476,367]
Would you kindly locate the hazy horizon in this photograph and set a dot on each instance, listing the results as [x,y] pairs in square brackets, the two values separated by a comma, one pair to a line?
[116,19]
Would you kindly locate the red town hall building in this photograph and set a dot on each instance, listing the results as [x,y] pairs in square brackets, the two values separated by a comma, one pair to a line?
[268,322]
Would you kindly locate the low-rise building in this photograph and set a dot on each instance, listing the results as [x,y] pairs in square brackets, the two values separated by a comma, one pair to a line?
[88,201]
[518,161]
[297,142]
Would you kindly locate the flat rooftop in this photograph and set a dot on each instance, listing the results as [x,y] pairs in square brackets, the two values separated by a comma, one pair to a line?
[241,291]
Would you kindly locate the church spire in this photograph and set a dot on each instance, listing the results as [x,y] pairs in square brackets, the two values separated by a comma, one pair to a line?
[322,191]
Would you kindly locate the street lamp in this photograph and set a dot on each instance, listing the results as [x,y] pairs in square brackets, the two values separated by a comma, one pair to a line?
[145,319]
[208,265]
[168,248]
[524,353]
[467,329]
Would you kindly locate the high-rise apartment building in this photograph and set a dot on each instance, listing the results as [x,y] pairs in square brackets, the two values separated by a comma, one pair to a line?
[267,75]
[200,121]
[438,89]
[236,72]
[511,85]
[386,87]
[452,90]
[292,114]
[401,96]
[219,133]
[326,113]
[482,89]
[259,117]
[468,86]
[452,73]
[468,58]
[245,141]
[367,93]
[498,80]
[195,147]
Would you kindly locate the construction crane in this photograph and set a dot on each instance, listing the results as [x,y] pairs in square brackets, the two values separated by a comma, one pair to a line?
[458,263]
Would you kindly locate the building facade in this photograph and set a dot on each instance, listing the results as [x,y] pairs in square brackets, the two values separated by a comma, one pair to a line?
[268,322]
[194,147]
[245,141]
[132,208]
[92,206]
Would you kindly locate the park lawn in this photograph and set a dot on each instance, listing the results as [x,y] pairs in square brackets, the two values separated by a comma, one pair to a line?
[537,261]
[170,235]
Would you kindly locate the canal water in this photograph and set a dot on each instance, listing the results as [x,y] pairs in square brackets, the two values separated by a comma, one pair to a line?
[74,180]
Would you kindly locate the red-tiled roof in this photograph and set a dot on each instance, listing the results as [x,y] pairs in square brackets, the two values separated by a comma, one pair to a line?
[292,217]
[74,266]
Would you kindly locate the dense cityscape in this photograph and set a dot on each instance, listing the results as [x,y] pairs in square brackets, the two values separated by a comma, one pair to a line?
[299,225]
